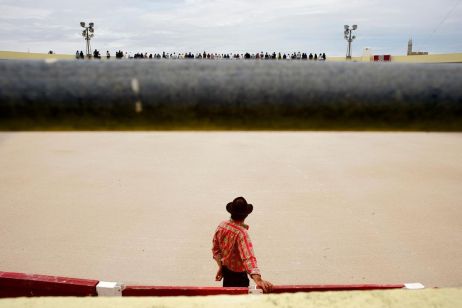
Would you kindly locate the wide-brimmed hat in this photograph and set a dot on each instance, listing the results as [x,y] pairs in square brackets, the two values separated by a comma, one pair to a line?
[239,206]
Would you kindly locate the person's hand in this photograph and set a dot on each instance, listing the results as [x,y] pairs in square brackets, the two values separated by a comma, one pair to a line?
[219,275]
[266,286]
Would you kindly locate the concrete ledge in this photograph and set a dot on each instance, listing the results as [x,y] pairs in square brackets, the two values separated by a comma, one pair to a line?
[442,298]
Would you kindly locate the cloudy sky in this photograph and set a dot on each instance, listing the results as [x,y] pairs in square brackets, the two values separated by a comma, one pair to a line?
[232,25]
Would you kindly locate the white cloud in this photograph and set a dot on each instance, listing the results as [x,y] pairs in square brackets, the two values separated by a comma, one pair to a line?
[19,13]
[232,25]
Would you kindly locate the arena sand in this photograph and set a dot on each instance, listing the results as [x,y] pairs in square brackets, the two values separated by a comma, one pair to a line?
[442,298]
[141,208]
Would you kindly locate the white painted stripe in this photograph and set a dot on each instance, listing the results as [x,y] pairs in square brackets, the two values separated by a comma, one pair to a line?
[107,288]
[414,286]
[135,85]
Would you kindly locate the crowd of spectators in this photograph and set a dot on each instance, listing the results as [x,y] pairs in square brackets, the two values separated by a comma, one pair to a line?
[79,55]
[96,54]
[212,56]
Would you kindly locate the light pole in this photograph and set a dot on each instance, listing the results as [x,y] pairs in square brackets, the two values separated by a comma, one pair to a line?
[349,37]
[88,34]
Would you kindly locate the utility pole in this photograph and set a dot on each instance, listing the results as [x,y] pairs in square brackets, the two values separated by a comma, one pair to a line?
[349,37]
[88,34]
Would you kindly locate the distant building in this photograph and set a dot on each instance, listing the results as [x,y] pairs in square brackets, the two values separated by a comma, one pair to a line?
[367,53]
[414,53]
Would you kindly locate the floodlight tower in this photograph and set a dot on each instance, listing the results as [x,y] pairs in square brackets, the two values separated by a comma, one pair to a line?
[349,37]
[88,34]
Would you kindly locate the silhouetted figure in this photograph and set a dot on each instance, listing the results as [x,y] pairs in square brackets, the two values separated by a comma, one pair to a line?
[315,56]
[324,56]
[284,57]
[96,54]
[81,55]
[108,55]
[310,56]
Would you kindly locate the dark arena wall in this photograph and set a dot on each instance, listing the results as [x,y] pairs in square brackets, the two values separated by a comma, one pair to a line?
[229,95]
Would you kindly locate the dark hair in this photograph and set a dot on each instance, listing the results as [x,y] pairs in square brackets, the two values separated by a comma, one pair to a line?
[239,217]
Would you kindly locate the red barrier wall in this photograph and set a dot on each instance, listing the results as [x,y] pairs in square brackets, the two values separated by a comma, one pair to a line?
[18,284]
[382,58]
[322,288]
[181,291]
[205,291]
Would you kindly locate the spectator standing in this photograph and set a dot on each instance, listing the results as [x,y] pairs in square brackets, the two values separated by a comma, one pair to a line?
[233,249]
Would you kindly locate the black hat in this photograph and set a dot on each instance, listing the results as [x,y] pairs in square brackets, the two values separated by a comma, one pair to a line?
[239,206]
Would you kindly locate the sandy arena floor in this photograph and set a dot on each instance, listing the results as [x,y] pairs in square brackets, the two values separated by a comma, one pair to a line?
[330,208]
[428,298]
